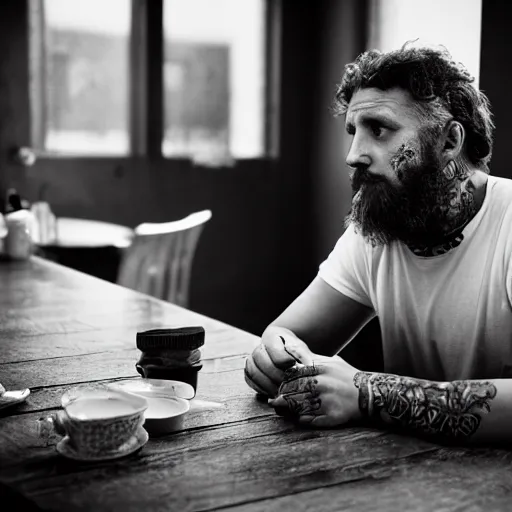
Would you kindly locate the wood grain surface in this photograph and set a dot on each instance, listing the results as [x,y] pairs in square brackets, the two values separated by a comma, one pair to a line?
[60,328]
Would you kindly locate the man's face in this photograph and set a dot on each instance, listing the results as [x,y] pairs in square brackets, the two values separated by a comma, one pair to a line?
[397,178]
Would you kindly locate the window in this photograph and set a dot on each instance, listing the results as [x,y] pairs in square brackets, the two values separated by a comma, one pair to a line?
[79,76]
[214,78]
[393,22]
[92,66]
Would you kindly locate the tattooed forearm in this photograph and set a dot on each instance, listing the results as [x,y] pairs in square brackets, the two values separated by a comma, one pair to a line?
[451,410]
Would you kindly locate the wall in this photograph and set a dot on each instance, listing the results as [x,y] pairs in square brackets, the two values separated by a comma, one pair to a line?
[342,33]
[14,79]
[452,23]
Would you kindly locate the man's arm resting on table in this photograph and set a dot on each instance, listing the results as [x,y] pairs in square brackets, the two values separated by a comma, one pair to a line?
[320,320]
[323,318]
[461,411]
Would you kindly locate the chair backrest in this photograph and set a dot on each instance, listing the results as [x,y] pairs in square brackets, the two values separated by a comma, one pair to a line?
[159,260]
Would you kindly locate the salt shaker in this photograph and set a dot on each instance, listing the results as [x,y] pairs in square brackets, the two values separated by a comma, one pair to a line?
[18,242]
[45,223]
[3,232]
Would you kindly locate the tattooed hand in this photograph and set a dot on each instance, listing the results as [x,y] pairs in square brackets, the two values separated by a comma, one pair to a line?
[321,394]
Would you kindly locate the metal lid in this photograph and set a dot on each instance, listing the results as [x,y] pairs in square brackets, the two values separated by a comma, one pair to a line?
[180,338]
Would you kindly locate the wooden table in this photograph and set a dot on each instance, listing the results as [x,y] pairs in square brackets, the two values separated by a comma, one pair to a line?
[59,327]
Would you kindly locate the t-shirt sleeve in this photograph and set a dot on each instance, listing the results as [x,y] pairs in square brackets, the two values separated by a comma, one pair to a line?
[508,259]
[508,283]
[346,268]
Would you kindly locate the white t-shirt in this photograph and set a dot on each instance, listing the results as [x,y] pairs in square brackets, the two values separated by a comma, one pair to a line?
[444,317]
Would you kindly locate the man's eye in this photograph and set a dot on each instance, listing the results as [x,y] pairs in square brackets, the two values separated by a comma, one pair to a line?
[377,129]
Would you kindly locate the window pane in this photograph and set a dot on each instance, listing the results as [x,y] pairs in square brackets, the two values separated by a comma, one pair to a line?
[396,21]
[214,78]
[79,76]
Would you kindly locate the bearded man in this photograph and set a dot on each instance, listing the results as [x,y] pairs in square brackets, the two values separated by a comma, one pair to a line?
[427,248]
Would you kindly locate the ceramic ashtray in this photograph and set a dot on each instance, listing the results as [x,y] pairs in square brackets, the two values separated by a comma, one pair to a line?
[168,402]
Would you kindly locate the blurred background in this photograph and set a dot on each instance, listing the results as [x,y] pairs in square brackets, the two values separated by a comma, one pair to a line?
[137,111]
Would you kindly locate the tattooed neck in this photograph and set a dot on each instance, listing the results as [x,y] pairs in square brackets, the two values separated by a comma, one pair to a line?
[460,198]
[445,410]
[459,201]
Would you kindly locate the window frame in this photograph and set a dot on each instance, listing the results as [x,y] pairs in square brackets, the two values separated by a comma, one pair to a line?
[146,87]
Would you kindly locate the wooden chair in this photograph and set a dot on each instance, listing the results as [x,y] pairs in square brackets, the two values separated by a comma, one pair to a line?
[159,260]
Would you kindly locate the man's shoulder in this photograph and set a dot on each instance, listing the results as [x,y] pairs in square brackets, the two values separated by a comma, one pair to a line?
[500,192]
[354,242]
[497,214]
[499,185]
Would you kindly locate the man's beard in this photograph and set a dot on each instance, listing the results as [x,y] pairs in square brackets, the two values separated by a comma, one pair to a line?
[410,211]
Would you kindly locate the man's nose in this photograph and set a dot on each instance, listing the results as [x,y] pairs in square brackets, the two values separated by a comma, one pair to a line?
[358,155]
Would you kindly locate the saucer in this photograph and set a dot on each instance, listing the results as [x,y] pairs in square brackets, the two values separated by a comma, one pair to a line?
[170,388]
[9,398]
[136,442]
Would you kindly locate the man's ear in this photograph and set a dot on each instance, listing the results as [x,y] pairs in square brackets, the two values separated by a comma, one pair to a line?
[453,140]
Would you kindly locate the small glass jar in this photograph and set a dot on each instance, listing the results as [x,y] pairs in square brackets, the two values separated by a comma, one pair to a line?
[171,354]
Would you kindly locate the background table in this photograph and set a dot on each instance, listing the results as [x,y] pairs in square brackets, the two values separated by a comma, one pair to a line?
[59,327]
[91,246]
[91,233]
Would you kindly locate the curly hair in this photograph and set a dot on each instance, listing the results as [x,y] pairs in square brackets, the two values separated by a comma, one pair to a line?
[441,87]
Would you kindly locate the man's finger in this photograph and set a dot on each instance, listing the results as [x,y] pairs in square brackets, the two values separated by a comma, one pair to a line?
[297,404]
[298,350]
[262,360]
[321,421]
[280,410]
[253,385]
[278,403]
[276,349]
[255,375]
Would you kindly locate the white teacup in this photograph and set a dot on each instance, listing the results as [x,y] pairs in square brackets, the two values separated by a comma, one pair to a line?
[98,420]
